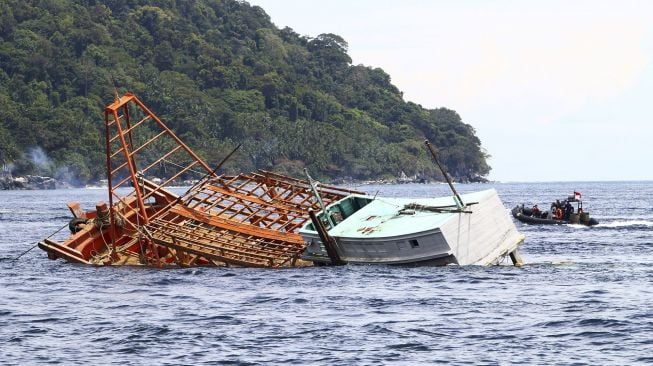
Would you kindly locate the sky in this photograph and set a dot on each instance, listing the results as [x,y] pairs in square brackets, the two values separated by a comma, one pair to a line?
[556,90]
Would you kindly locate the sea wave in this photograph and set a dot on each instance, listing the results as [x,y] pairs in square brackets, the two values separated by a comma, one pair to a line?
[578,300]
[627,223]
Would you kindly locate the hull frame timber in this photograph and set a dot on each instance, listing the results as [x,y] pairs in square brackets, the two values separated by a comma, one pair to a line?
[248,220]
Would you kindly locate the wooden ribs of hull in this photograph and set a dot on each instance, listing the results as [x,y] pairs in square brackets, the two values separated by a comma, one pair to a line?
[244,220]
[224,245]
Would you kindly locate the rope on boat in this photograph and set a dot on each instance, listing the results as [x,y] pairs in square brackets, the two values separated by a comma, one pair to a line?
[96,259]
[183,167]
[437,209]
[102,220]
[34,246]
[119,220]
[141,233]
[410,208]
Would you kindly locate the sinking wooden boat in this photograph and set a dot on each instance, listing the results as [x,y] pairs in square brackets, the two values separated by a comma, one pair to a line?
[249,220]
[254,220]
[464,229]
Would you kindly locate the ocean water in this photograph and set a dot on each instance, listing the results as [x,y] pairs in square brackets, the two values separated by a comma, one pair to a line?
[584,297]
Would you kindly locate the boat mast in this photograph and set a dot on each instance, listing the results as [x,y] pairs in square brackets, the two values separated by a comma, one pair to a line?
[313,185]
[329,243]
[457,199]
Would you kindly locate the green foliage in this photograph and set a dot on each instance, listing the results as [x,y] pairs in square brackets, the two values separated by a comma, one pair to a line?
[218,73]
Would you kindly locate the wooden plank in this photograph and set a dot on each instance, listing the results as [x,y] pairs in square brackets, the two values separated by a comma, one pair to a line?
[230,240]
[211,238]
[236,226]
[278,205]
[209,255]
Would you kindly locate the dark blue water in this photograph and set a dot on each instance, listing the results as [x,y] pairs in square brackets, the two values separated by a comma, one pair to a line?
[584,297]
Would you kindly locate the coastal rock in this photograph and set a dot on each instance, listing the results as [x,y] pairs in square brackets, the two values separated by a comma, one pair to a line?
[30,182]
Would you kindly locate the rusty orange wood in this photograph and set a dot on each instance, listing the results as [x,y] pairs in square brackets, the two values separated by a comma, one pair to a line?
[243,220]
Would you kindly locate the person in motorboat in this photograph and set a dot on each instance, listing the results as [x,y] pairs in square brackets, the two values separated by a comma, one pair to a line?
[558,215]
[535,211]
[569,209]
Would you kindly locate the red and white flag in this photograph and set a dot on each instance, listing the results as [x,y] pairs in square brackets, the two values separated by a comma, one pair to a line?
[577,195]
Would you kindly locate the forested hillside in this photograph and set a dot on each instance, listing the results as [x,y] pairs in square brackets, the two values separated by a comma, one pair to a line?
[218,73]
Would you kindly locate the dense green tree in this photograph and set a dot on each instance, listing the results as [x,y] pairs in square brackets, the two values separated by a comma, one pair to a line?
[219,73]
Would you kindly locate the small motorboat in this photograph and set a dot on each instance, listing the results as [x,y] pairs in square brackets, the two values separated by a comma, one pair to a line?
[560,213]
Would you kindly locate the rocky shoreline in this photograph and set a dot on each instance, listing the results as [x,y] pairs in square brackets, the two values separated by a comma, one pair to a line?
[8,182]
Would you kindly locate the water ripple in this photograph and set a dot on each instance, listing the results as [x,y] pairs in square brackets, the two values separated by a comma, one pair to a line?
[582,298]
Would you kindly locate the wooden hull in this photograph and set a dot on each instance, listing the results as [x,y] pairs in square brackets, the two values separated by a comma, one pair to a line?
[245,220]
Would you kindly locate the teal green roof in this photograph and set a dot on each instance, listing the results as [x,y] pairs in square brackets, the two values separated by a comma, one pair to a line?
[381,218]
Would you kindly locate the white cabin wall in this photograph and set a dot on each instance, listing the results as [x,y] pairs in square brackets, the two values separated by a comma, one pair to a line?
[480,237]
